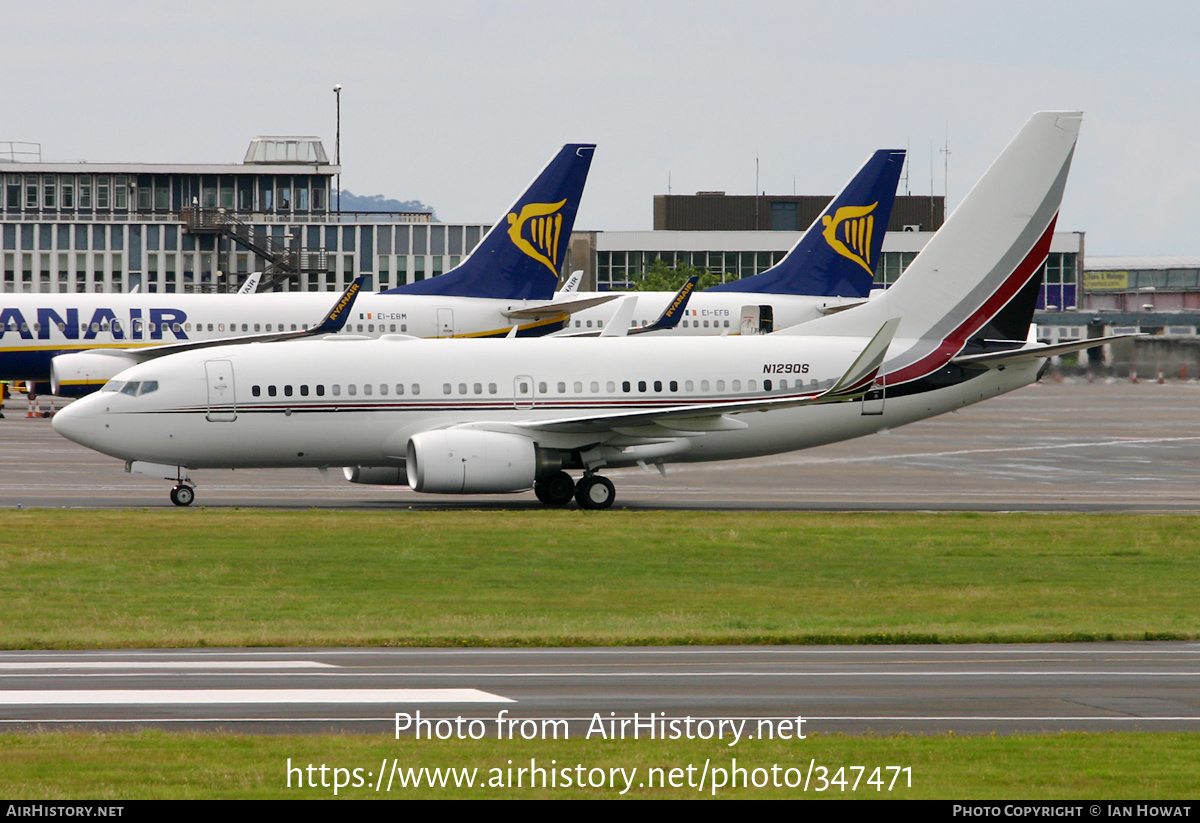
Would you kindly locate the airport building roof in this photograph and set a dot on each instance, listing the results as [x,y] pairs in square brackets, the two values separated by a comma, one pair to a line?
[1145,263]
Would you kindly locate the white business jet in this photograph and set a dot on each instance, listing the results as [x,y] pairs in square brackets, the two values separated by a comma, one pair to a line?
[78,341]
[506,416]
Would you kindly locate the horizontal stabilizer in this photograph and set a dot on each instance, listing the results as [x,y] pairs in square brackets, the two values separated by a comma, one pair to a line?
[563,307]
[989,359]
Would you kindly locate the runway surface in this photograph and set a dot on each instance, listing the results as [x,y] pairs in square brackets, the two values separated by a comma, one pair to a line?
[917,689]
[1070,446]
[1115,447]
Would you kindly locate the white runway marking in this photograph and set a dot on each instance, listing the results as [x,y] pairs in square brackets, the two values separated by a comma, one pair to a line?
[169,664]
[213,697]
[1002,720]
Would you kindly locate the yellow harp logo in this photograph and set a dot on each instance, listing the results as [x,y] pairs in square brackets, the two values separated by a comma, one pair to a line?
[849,232]
[537,231]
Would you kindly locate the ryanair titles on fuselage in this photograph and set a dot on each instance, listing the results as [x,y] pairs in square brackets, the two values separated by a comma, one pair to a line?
[159,323]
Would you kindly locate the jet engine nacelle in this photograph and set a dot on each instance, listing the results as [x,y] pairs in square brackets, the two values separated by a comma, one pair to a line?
[468,461]
[81,373]
[375,475]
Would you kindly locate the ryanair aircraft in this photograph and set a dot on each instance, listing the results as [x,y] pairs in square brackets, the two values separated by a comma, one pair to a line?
[457,417]
[830,268]
[78,341]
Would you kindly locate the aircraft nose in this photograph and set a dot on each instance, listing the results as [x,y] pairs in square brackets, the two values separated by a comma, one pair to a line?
[76,422]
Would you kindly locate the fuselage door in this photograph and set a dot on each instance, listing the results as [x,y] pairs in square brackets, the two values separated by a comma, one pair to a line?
[222,406]
[523,392]
[445,322]
[757,320]
[872,402]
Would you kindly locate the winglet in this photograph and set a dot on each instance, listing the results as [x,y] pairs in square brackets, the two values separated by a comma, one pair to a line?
[250,286]
[572,284]
[861,374]
[336,318]
[618,324]
[674,311]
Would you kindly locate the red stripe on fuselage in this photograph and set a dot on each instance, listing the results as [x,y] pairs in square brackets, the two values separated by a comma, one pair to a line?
[953,343]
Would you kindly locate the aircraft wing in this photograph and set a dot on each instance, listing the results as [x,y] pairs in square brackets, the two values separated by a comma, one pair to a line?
[333,322]
[989,359]
[699,418]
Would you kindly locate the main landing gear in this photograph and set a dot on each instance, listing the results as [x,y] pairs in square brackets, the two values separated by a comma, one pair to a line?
[595,492]
[183,495]
[591,492]
[555,489]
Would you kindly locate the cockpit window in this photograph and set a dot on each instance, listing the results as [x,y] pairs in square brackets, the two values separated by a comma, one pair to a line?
[134,388]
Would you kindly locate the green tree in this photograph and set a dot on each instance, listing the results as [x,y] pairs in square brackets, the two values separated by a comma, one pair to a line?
[661,277]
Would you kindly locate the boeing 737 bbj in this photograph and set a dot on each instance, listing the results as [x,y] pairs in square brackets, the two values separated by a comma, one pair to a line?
[509,415]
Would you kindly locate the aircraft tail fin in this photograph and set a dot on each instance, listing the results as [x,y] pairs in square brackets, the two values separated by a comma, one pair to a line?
[839,253]
[522,256]
[978,269]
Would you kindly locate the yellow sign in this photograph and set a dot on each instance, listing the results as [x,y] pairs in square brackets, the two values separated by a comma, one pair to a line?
[1106,280]
[544,230]
[857,225]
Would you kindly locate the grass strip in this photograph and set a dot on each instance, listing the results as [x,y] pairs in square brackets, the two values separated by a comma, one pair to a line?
[151,764]
[103,579]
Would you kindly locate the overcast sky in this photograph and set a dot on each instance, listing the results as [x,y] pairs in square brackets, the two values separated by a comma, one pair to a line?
[459,103]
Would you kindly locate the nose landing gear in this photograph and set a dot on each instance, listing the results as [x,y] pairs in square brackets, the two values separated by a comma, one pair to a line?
[183,495]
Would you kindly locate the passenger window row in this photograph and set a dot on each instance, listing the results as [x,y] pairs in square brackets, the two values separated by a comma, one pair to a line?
[659,386]
[543,388]
[384,328]
[476,388]
[335,390]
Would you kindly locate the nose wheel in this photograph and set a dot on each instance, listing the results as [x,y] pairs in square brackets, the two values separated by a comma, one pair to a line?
[183,495]
[595,492]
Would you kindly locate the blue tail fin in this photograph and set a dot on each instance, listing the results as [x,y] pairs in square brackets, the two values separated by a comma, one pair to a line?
[838,254]
[522,256]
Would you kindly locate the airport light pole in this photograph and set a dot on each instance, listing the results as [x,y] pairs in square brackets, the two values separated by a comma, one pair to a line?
[337,145]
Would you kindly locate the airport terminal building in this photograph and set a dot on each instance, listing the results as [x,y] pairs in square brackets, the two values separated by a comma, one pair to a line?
[116,227]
